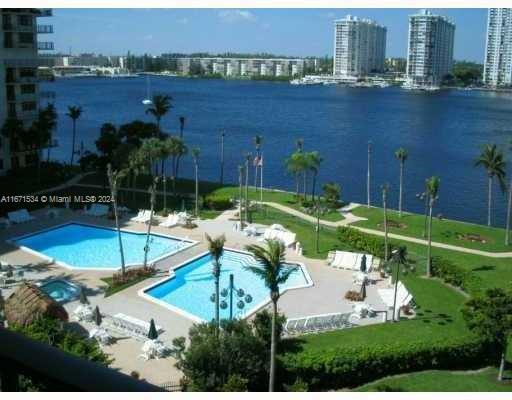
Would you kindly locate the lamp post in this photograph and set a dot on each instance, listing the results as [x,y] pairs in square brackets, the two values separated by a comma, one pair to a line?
[231,291]
[424,197]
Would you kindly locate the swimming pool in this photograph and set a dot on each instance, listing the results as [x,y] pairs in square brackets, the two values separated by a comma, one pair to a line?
[189,289]
[61,290]
[84,246]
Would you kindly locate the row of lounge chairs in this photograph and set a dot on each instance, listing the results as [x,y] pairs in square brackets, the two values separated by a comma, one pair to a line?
[175,219]
[20,216]
[129,325]
[97,210]
[348,260]
[286,237]
[143,217]
[403,297]
[317,323]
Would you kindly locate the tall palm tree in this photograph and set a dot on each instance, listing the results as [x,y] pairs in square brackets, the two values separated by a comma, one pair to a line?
[494,163]
[385,189]
[272,270]
[258,140]
[74,113]
[178,159]
[294,167]
[161,106]
[433,193]
[195,156]
[401,154]
[216,249]
[113,177]
[400,259]
[152,199]
[313,163]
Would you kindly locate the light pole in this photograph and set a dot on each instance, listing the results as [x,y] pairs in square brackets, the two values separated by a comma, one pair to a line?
[231,291]
[424,197]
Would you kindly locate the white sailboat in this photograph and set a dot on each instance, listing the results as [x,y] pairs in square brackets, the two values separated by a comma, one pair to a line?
[147,101]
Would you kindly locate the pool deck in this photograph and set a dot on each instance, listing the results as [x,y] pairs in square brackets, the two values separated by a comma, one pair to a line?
[325,296]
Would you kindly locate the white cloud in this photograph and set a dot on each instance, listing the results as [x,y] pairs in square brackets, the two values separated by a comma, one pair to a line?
[231,16]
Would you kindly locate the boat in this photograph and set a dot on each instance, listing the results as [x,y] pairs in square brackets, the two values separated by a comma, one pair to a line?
[147,101]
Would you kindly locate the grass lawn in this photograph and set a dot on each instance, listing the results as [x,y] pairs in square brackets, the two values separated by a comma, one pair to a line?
[285,198]
[442,381]
[109,291]
[447,231]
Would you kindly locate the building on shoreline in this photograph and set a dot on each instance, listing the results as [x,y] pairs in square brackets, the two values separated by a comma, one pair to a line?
[19,88]
[359,47]
[430,50]
[498,49]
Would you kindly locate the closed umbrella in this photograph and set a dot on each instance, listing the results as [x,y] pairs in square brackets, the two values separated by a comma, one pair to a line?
[363,263]
[97,316]
[83,298]
[363,290]
[153,333]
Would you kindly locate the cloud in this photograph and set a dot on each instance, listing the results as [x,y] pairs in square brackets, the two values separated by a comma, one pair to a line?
[182,21]
[231,16]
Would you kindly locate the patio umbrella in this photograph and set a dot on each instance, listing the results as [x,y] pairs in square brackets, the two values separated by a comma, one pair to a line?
[97,316]
[363,290]
[363,263]
[153,333]
[83,298]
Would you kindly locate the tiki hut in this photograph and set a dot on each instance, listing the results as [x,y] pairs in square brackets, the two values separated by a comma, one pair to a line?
[28,303]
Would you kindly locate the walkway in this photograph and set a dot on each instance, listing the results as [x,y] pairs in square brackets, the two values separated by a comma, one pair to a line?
[351,218]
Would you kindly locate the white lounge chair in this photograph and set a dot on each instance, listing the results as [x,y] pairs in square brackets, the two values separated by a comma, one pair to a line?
[171,221]
[153,349]
[142,217]
[101,335]
[83,313]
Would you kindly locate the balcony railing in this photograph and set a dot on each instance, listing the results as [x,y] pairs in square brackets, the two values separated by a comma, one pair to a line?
[44,29]
[57,370]
[45,46]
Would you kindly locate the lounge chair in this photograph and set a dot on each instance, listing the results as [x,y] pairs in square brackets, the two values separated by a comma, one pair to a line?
[20,216]
[171,221]
[142,217]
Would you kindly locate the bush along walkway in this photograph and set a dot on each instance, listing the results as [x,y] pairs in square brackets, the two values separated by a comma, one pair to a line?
[350,219]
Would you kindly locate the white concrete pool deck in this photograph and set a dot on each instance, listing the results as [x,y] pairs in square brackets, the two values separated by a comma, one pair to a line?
[325,296]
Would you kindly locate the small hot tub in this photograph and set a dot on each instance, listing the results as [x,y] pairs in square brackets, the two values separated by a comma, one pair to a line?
[61,290]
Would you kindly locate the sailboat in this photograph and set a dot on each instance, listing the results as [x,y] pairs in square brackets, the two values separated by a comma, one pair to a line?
[147,101]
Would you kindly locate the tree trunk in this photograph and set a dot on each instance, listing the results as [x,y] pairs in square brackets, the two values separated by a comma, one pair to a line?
[401,189]
[509,210]
[114,200]
[297,186]
[396,289]
[247,191]
[489,200]
[503,361]
[384,204]
[197,190]
[217,318]
[73,143]
[240,197]
[304,189]
[313,188]
[146,247]
[429,246]
[273,349]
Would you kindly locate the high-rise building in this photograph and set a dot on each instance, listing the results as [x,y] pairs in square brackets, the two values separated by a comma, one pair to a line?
[359,46]
[430,49]
[498,49]
[19,88]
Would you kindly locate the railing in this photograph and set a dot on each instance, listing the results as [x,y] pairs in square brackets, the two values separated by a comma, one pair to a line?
[171,386]
[57,370]
[45,46]
[44,29]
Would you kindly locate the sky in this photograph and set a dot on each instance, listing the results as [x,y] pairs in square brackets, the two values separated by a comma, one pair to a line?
[291,32]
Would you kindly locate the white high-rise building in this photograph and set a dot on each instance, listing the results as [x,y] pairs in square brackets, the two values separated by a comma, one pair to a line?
[498,51]
[359,46]
[430,50]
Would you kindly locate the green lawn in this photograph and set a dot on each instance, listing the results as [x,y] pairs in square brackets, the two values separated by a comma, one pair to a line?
[443,230]
[442,381]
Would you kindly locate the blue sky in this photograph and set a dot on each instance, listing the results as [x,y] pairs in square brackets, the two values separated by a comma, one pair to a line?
[300,32]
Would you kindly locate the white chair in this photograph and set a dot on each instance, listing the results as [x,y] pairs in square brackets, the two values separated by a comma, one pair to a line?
[171,221]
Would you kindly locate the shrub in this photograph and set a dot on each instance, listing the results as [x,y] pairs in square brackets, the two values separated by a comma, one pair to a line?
[131,275]
[218,202]
[349,367]
[453,274]
[353,295]
[361,241]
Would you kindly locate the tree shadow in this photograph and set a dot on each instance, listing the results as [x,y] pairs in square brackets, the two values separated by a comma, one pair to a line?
[484,268]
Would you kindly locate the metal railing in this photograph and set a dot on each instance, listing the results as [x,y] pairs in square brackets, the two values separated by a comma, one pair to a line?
[45,46]
[57,370]
[44,29]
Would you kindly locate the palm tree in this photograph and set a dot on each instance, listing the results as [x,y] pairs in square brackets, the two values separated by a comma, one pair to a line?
[494,163]
[432,192]
[216,249]
[258,140]
[272,270]
[400,259]
[182,127]
[136,165]
[113,177]
[401,154]
[74,113]
[314,160]
[294,166]
[385,189]
[161,106]
[152,198]
[195,157]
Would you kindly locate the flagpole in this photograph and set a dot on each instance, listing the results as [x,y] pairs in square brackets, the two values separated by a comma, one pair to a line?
[261,178]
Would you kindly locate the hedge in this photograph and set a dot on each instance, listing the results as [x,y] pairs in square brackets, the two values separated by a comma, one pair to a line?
[350,367]
[453,274]
[361,241]
[218,202]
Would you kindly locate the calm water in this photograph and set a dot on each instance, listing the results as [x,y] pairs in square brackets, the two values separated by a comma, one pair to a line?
[442,131]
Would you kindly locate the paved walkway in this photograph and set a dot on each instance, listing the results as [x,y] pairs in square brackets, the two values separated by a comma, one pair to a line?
[351,218]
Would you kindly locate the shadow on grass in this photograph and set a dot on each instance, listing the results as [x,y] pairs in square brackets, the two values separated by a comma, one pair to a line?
[484,268]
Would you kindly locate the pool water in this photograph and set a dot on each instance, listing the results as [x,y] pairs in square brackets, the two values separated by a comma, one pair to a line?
[61,291]
[91,247]
[189,291]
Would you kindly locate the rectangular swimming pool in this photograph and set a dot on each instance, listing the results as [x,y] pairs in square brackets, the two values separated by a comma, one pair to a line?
[84,246]
[190,288]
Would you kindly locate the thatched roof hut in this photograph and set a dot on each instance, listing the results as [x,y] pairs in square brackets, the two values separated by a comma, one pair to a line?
[28,303]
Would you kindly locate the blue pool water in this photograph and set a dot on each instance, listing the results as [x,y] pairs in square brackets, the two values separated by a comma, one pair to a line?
[193,285]
[61,290]
[86,246]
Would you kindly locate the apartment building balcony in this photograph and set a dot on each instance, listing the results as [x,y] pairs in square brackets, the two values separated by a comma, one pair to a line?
[43,29]
[45,46]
